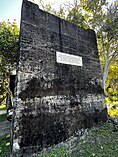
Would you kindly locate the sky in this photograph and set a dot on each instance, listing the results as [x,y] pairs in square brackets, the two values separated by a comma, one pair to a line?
[11,9]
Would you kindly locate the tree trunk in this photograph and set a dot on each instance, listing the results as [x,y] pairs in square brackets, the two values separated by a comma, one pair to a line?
[105,71]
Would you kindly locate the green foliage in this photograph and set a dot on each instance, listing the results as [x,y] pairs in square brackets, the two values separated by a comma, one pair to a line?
[9,34]
[8,42]
[112,84]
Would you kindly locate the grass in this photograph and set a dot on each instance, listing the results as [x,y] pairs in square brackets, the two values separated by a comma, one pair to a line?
[109,102]
[3,117]
[57,152]
[2,107]
[4,146]
[113,111]
[98,142]
[4,141]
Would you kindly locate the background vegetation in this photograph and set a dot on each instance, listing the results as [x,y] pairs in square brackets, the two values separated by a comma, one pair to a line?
[9,35]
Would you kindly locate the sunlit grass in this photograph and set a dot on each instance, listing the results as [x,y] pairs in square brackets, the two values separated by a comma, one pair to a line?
[2,107]
[112,102]
[113,111]
[109,102]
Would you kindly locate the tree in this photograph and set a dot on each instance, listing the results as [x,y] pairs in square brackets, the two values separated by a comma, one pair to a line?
[9,34]
[98,15]
[107,40]
[112,83]
[103,18]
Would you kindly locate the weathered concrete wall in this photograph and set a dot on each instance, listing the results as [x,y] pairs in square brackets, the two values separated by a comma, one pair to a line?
[53,100]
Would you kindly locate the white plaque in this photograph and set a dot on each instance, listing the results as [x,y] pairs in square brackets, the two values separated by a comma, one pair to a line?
[65,58]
